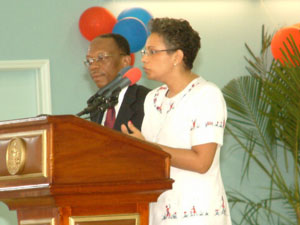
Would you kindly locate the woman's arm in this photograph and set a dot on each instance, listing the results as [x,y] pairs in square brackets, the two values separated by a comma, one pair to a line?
[198,159]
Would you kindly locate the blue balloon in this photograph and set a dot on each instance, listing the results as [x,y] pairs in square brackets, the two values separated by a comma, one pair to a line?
[138,13]
[133,30]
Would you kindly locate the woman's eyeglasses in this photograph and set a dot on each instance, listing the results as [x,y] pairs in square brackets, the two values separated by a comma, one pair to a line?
[151,52]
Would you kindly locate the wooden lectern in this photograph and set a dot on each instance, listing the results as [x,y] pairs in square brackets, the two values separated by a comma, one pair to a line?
[63,170]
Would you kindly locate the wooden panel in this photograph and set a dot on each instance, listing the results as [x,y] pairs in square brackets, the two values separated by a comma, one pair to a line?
[91,171]
[35,149]
[110,222]
[103,155]
[35,170]
[38,216]
[38,222]
[126,219]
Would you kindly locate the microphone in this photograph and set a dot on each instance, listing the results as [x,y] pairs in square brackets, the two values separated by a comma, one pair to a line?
[130,77]
[118,78]
[104,101]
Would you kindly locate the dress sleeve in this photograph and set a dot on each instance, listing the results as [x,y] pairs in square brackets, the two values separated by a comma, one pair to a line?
[208,117]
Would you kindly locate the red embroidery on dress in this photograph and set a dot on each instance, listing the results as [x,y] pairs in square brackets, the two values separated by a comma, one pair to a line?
[223,206]
[174,216]
[208,123]
[220,124]
[162,88]
[194,211]
[172,106]
[159,108]
[185,214]
[222,210]
[218,211]
[194,124]
[168,215]
[168,212]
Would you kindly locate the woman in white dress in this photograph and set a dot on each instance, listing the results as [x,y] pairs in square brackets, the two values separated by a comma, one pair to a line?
[186,117]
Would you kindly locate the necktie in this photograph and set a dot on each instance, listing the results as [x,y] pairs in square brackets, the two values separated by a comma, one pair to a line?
[110,117]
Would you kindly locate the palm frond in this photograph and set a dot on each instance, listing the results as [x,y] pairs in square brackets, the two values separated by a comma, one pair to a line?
[252,210]
[264,119]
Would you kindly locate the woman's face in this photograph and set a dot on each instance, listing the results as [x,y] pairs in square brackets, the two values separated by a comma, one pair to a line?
[158,62]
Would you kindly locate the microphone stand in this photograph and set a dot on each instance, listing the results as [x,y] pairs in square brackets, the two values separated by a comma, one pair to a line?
[101,103]
[109,102]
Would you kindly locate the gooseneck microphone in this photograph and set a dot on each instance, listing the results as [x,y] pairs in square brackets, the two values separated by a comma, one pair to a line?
[130,77]
[109,97]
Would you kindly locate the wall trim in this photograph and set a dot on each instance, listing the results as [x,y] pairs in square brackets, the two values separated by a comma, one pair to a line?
[43,87]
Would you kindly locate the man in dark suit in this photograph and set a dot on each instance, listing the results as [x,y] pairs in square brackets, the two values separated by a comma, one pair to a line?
[107,55]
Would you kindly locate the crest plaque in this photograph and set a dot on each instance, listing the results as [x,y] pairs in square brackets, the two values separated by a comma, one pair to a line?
[15,156]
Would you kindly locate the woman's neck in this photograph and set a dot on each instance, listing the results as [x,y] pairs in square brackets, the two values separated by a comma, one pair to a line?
[179,82]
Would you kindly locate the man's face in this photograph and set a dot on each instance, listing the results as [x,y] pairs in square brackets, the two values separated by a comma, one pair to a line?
[108,60]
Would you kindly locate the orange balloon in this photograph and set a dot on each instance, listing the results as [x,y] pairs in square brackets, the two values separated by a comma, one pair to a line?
[132,59]
[281,37]
[296,25]
[96,21]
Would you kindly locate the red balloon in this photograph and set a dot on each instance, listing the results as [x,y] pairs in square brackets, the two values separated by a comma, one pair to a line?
[132,59]
[296,25]
[96,21]
[280,37]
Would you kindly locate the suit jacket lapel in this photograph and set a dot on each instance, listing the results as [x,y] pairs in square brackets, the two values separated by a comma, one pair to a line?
[126,111]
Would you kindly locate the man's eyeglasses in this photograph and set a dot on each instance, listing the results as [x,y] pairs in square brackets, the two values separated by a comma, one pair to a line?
[151,52]
[100,58]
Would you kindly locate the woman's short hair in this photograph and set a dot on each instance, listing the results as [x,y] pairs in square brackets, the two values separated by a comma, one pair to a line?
[178,34]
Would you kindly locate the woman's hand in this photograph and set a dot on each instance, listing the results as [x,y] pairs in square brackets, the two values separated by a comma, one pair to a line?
[135,132]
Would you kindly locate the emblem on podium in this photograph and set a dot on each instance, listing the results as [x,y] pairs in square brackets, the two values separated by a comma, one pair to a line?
[15,156]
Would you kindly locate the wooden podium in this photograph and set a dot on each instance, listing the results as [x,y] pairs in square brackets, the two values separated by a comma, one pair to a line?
[63,170]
